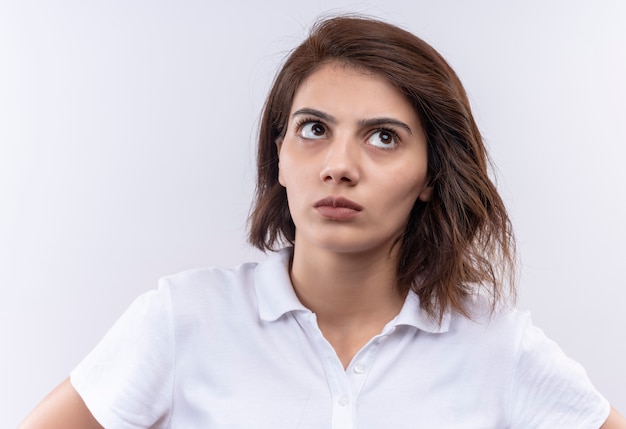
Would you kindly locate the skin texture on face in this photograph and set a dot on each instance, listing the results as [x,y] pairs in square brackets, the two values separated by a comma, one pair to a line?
[353,161]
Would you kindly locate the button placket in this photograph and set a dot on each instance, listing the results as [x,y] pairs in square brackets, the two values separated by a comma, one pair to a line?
[363,361]
[343,412]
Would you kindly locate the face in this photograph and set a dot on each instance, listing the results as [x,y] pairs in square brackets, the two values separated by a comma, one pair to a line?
[353,161]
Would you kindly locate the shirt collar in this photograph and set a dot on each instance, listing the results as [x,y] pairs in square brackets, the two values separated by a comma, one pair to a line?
[274,291]
[412,314]
[276,297]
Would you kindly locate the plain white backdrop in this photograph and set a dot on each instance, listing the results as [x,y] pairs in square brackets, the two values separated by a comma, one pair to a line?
[127,133]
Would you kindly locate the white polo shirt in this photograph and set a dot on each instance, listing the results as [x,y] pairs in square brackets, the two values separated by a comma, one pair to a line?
[215,348]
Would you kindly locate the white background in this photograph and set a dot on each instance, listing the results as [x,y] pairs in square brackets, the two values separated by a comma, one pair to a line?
[127,135]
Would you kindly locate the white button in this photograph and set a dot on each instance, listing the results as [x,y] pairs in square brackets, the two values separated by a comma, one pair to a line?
[359,368]
[343,400]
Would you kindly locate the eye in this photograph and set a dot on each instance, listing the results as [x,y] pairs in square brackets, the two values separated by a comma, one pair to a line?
[384,139]
[312,130]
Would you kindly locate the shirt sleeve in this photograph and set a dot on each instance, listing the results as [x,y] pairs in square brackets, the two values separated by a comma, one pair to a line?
[127,380]
[551,390]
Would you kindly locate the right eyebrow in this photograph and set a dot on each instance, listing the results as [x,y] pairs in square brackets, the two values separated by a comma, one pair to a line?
[314,112]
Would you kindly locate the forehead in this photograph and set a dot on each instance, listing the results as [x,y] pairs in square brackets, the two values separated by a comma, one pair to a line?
[352,91]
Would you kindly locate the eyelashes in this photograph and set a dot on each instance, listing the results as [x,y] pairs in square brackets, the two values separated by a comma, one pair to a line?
[311,129]
[382,137]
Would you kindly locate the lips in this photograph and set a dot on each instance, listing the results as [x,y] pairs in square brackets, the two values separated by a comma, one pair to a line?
[337,208]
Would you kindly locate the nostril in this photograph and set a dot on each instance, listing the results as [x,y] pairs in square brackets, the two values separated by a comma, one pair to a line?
[340,179]
[340,172]
[337,178]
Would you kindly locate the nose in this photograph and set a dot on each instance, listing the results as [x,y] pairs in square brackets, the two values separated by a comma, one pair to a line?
[341,162]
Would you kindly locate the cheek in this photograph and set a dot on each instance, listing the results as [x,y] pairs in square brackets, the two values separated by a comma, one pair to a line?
[294,171]
[404,189]
[293,183]
[415,181]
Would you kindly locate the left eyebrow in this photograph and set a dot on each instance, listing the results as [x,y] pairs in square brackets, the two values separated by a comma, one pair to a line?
[376,122]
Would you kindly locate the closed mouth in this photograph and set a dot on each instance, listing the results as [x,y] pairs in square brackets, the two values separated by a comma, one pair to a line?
[338,202]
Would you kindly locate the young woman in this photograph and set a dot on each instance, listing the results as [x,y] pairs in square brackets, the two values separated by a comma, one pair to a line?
[389,305]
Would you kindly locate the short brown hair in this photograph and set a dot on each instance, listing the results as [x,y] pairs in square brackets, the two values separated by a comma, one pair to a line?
[458,242]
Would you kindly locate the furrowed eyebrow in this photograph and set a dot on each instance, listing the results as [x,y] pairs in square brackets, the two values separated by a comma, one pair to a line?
[374,122]
[313,112]
[385,121]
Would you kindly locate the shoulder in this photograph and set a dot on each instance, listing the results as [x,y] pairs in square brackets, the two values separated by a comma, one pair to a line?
[547,388]
[209,280]
[503,325]
[207,293]
[214,292]
[216,279]
[490,339]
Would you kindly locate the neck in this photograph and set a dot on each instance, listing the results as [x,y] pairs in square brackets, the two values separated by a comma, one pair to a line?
[353,295]
[347,288]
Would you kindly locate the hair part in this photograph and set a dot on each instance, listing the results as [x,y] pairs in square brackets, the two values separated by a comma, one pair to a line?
[455,245]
